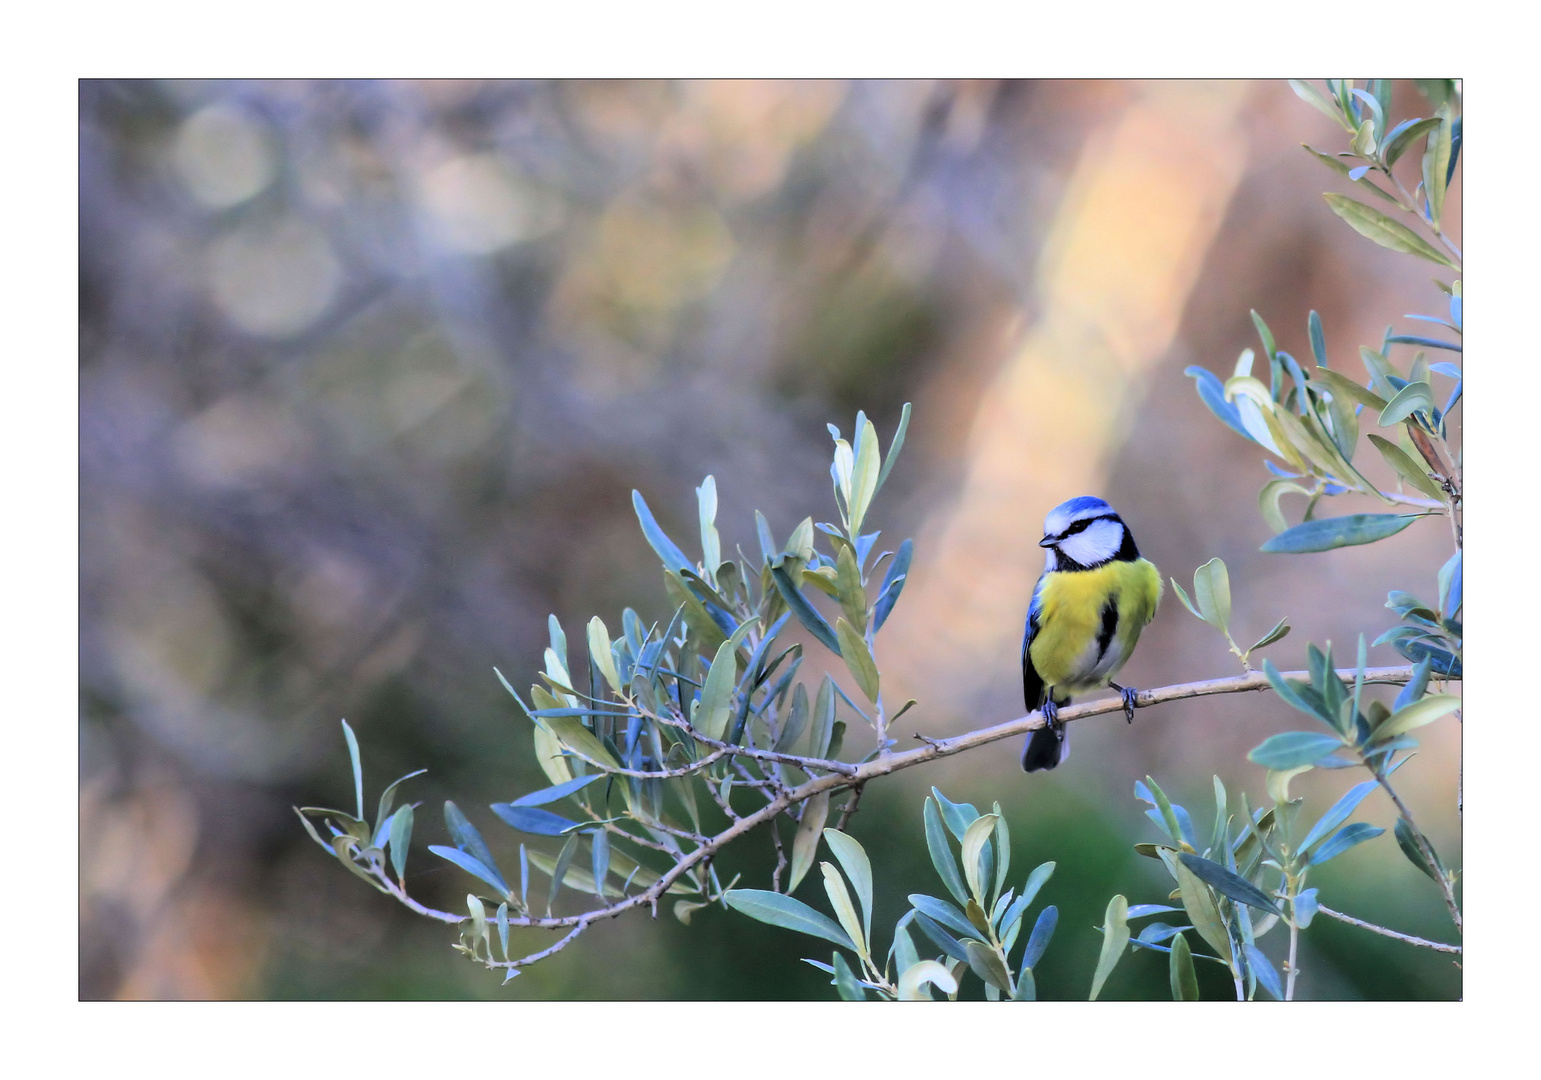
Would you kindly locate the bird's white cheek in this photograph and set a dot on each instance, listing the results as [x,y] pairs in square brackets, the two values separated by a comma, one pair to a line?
[1050,563]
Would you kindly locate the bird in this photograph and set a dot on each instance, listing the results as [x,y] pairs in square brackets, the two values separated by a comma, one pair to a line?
[1092,600]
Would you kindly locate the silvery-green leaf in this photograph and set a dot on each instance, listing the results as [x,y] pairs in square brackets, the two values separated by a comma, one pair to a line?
[1407,840]
[1228,884]
[974,841]
[1335,816]
[1414,397]
[673,558]
[1043,931]
[785,911]
[1281,628]
[845,911]
[1411,717]
[858,658]
[1293,749]
[1356,832]
[1184,980]
[1373,224]
[1212,591]
[805,843]
[895,446]
[1115,937]
[853,860]
[919,974]
[1436,160]
[358,769]
[1328,533]
[401,839]
[711,543]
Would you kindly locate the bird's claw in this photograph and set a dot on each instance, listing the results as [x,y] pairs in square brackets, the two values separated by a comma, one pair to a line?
[1051,717]
[1129,694]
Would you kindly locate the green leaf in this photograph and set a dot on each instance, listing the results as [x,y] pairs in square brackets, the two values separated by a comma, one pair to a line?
[1002,845]
[1337,165]
[1292,749]
[387,800]
[986,963]
[845,911]
[1406,467]
[1318,339]
[895,446]
[1168,815]
[853,598]
[1414,397]
[974,841]
[673,558]
[1364,139]
[796,721]
[941,852]
[1265,334]
[893,584]
[787,912]
[1401,136]
[711,543]
[1115,937]
[1038,940]
[1436,161]
[358,769]
[1425,710]
[1183,596]
[864,476]
[570,731]
[716,705]
[1318,101]
[1281,628]
[1328,533]
[1212,590]
[858,658]
[599,652]
[767,542]
[1450,585]
[401,839]
[1341,384]
[1184,980]
[805,612]
[846,983]
[1228,884]
[1035,881]
[564,861]
[1407,840]
[922,972]
[1337,814]
[1375,225]
[1354,833]
[823,719]
[470,865]
[1268,505]
[469,840]
[704,631]
[1199,903]
[853,860]
[805,842]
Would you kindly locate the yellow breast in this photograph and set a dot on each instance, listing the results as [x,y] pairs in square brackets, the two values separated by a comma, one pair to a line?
[1065,650]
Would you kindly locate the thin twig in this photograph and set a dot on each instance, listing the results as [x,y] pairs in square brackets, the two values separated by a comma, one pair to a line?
[1435,945]
[1445,889]
[850,807]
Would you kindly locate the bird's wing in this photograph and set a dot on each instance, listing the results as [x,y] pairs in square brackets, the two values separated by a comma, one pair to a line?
[1032,682]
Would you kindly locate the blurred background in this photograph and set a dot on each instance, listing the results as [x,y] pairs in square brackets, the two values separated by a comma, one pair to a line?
[368,371]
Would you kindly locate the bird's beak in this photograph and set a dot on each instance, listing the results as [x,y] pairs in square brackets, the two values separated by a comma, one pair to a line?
[1047,541]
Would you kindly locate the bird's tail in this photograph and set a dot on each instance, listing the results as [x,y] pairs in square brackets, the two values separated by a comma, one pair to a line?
[1046,748]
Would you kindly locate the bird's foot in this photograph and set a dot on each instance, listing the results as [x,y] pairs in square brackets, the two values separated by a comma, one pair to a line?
[1051,716]
[1129,694]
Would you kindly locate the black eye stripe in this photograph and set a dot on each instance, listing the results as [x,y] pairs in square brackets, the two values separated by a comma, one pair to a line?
[1084,524]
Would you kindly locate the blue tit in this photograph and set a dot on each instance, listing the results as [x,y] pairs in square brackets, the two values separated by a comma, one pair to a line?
[1094,597]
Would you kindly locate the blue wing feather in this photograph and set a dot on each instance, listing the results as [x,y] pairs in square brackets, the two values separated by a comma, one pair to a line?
[1032,682]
